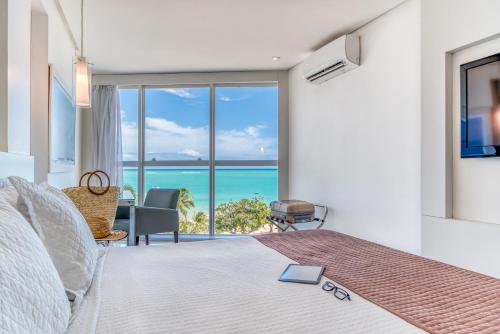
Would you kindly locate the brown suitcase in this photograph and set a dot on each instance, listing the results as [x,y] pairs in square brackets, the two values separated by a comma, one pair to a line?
[293,211]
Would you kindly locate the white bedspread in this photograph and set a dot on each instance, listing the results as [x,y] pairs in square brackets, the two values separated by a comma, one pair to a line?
[220,286]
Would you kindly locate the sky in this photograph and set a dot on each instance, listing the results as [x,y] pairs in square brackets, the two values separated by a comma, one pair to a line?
[177,123]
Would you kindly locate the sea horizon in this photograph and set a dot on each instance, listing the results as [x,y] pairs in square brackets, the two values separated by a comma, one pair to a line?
[231,183]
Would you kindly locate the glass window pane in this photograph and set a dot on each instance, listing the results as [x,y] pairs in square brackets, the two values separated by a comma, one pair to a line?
[177,123]
[242,197]
[246,122]
[131,181]
[129,108]
[194,198]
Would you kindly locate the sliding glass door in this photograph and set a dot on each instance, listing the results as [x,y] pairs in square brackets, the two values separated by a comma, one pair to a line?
[246,155]
[129,108]
[176,149]
[218,144]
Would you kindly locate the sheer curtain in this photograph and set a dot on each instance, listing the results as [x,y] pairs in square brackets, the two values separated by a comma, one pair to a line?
[106,132]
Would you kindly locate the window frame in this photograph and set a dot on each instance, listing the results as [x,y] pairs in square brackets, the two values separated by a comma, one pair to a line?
[211,163]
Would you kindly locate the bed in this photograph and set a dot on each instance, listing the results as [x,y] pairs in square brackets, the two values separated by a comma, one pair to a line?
[219,286]
[59,281]
[231,286]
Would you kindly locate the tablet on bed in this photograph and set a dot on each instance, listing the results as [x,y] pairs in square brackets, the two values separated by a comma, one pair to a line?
[302,273]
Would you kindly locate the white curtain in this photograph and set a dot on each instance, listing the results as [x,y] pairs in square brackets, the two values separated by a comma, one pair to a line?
[106,132]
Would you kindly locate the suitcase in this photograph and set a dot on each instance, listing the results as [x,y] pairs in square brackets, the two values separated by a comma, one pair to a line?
[292,211]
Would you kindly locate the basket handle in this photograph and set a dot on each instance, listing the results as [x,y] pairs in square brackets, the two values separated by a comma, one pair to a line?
[96,173]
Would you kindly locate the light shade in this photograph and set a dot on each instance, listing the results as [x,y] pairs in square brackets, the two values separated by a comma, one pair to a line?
[82,82]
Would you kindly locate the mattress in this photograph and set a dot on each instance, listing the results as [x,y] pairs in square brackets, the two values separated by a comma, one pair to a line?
[218,286]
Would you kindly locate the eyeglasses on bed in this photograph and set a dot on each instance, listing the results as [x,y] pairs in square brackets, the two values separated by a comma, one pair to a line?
[339,293]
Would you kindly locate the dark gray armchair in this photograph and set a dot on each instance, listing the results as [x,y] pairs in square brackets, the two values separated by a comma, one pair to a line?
[158,215]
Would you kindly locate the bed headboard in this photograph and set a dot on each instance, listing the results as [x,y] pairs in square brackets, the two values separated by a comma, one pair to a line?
[17,165]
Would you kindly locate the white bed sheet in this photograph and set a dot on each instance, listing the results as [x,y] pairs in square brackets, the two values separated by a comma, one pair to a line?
[219,286]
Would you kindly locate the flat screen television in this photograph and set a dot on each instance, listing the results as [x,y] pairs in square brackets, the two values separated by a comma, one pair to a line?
[480,107]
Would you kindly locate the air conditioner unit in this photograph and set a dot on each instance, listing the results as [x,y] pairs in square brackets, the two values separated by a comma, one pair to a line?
[333,59]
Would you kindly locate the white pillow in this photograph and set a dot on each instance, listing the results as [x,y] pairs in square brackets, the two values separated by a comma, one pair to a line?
[32,296]
[8,192]
[64,232]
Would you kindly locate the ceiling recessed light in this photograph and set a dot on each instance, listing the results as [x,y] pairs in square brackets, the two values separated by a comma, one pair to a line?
[275,58]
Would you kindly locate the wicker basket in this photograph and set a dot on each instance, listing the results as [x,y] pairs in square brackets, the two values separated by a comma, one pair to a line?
[97,205]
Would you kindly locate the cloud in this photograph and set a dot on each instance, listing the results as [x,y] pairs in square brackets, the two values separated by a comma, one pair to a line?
[129,140]
[167,126]
[245,144]
[167,140]
[192,153]
[226,98]
[254,131]
[181,92]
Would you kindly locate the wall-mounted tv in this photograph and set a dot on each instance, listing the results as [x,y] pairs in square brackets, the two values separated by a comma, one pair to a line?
[480,107]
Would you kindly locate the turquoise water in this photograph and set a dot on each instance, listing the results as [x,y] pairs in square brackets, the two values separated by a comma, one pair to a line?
[230,184]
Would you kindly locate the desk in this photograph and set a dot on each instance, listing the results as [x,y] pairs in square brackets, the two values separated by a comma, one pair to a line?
[127,199]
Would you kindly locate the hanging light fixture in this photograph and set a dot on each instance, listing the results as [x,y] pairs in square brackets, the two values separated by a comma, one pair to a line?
[82,75]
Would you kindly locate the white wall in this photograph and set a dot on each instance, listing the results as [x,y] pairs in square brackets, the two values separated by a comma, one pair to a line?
[16,164]
[61,44]
[17,132]
[447,27]
[476,182]
[470,245]
[61,53]
[4,115]
[442,34]
[15,76]
[355,140]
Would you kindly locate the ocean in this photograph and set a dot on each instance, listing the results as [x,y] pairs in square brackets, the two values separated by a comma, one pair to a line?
[230,184]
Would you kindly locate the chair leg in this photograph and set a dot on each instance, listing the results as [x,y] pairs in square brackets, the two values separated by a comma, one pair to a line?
[147,239]
[176,237]
[137,240]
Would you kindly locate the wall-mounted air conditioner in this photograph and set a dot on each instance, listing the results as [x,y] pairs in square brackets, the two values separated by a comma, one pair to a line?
[333,59]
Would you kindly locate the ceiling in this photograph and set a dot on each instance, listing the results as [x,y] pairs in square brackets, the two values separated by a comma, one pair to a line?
[161,36]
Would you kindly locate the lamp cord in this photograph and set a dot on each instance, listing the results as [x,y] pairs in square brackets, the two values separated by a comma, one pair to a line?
[81,30]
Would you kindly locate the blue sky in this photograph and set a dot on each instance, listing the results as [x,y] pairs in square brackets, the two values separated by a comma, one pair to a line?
[177,123]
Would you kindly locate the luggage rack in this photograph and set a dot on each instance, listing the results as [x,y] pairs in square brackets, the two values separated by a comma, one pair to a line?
[284,225]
